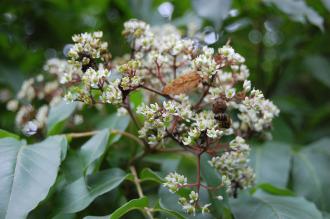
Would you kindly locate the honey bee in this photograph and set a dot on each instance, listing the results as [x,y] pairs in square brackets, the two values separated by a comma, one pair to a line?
[220,108]
[224,120]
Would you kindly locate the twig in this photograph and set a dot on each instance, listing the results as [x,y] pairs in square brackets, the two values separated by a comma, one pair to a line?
[174,66]
[212,187]
[171,150]
[159,93]
[159,74]
[198,174]
[202,185]
[112,131]
[206,91]
[139,190]
[130,112]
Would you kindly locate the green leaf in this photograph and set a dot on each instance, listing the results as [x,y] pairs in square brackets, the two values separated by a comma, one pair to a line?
[57,116]
[80,193]
[269,188]
[92,153]
[215,10]
[326,4]
[311,175]
[64,147]
[169,200]
[210,175]
[326,215]
[115,122]
[94,148]
[271,163]
[281,131]
[72,167]
[168,162]
[298,11]
[6,134]
[27,172]
[213,178]
[262,205]
[136,98]
[143,10]
[320,68]
[149,175]
[134,204]
[175,214]
[12,76]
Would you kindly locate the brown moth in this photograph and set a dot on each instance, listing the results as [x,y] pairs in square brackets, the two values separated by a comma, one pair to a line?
[183,84]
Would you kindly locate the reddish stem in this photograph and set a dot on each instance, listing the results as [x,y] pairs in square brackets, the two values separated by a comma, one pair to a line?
[159,74]
[159,93]
[127,106]
[198,174]
[174,67]
[188,185]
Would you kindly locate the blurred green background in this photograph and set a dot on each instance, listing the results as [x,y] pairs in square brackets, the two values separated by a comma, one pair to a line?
[286,44]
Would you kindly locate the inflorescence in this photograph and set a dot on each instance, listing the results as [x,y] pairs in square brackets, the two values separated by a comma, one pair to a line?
[196,96]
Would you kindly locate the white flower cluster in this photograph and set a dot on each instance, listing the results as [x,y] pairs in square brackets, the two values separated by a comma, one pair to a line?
[158,119]
[27,90]
[44,91]
[88,46]
[204,122]
[139,34]
[189,205]
[166,38]
[233,166]
[130,79]
[56,66]
[111,93]
[205,64]
[229,53]
[236,62]
[168,41]
[92,84]
[129,83]
[31,127]
[256,112]
[174,181]
[34,90]
[160,47]
[94,78]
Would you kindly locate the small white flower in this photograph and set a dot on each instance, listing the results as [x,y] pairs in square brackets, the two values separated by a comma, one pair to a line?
[71,96]
[111,93]
[187,140]
[12,105]
[230,54]
[87,46]
[205,208]
[78,119]
[247,85]
[41,116]
[173,181]
[30,128]
[213,133]
[230,93]
[193,197]
[189,208]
